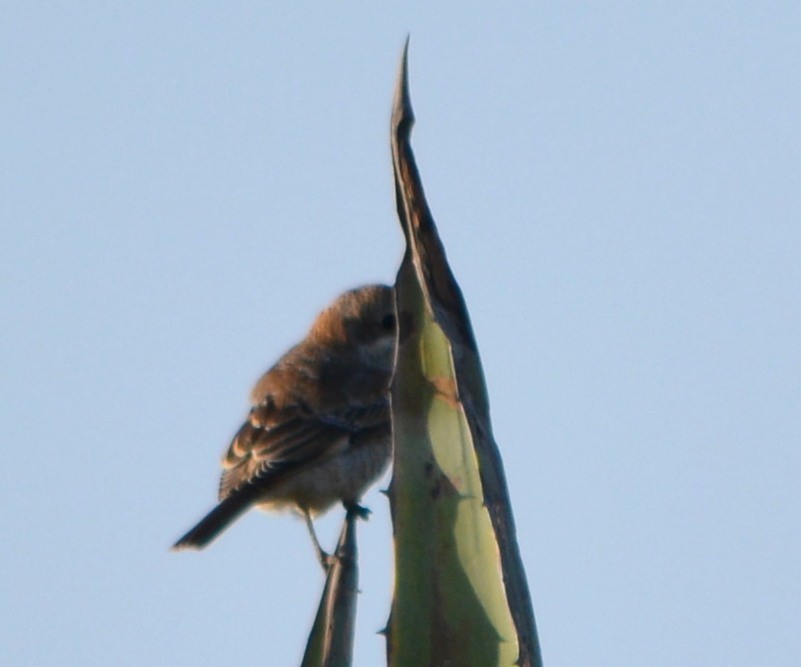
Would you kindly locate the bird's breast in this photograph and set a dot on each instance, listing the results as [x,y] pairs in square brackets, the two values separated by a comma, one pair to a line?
[343,477]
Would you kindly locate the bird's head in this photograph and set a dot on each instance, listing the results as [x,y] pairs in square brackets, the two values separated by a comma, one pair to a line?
[361,321]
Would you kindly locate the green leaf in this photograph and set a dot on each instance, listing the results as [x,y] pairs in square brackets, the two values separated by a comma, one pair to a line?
[330,642]
[461,596]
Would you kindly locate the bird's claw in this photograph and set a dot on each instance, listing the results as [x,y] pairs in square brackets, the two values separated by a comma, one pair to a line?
[358,511]
[326,560]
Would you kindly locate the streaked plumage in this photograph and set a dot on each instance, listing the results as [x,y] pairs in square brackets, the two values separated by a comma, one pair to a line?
[319,430]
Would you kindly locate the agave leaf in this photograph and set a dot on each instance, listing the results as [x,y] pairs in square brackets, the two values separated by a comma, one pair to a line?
[461,596]
[330,642]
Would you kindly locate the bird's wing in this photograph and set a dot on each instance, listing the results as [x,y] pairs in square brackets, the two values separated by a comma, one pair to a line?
[274,440]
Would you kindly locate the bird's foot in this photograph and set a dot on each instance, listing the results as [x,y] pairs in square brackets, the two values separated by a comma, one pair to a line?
[354,509]
[326,560]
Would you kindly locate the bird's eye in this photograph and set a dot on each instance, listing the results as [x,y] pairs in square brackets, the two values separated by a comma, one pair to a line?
[388,322]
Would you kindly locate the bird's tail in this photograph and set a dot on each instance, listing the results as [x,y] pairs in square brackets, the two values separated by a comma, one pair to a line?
[216,521]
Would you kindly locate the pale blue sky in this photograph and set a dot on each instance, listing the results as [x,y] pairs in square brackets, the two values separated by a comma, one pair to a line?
[618,186]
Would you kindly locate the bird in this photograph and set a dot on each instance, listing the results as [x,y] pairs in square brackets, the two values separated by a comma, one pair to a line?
[319,428]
